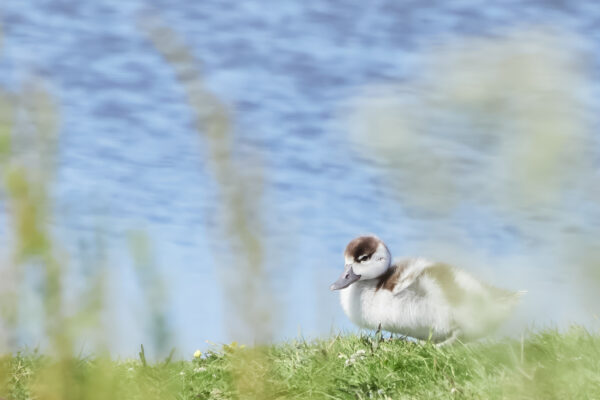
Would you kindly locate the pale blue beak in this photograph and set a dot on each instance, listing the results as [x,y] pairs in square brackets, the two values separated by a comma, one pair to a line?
[346,279]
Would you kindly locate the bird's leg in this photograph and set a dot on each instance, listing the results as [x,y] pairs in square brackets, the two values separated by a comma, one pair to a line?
[379,334]
[450,339]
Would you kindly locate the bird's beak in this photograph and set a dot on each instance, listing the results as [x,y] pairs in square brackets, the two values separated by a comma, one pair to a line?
[345,280]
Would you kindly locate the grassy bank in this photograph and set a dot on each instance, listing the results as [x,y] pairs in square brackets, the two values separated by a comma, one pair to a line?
[544,365]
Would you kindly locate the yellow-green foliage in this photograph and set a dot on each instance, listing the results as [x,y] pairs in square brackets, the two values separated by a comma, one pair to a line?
[6,122]
[515,101]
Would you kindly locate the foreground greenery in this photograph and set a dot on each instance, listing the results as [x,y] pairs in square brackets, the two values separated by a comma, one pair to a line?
[543,365]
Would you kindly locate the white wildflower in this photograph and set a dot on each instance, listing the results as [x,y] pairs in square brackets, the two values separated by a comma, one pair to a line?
[359,355]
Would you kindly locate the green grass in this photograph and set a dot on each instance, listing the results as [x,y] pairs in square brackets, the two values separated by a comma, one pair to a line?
[544,365]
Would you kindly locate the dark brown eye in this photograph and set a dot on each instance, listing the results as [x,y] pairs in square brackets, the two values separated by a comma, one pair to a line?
[362,258]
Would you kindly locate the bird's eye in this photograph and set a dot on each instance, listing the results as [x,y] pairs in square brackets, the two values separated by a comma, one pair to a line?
[363,258]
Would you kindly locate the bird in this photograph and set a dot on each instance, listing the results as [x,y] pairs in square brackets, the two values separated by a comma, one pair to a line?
[416,297]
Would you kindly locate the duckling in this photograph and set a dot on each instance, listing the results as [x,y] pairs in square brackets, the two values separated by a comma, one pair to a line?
[416,297]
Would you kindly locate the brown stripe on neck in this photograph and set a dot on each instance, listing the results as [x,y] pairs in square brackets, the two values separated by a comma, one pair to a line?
[390,278]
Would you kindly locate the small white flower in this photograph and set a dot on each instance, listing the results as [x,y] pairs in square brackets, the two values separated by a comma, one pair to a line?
[182,373]
[130,369]
[349,361]
[199,369]
[342,355]
[360,354]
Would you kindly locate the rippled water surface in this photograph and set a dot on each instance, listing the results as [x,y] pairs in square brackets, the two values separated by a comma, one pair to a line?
[131,159]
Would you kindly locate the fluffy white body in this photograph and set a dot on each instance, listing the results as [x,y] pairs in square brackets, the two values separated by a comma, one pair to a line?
[419,298]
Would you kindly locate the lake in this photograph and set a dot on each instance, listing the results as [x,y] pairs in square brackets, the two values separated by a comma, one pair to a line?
[130,157]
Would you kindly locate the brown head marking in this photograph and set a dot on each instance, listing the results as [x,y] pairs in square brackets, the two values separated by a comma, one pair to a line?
[362,245]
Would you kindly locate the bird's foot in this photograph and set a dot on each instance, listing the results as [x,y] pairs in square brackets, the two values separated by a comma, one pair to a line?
[450,339]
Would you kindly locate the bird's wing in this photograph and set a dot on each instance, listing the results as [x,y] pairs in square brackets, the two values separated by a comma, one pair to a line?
[407,273]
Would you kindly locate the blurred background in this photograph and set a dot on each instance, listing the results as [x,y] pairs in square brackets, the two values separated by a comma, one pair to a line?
[177,172]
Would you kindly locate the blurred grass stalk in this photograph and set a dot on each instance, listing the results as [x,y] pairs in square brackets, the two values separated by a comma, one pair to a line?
[35,300]
[28,136]
[246,282]
[153,289]
[516,100]
[27,149]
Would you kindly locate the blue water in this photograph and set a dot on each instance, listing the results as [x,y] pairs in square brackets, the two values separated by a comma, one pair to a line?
[130,158]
